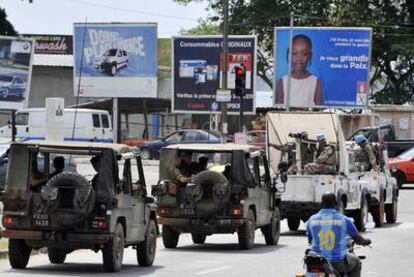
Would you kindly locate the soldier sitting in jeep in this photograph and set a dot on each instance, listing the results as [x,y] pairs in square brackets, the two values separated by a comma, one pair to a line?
[70,213]
[233,194]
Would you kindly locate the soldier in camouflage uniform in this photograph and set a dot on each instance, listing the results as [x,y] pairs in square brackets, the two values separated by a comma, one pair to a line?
[366,156]
[325,162]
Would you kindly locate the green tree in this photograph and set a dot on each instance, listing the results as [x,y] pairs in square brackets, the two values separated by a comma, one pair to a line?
[393,34]
[205,27]
[6,28]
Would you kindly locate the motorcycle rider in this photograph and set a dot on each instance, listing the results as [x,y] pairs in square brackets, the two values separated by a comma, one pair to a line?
[328,231]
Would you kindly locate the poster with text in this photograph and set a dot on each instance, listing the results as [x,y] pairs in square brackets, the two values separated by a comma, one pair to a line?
[115,60]
[329,67]
[197,73]
[16,56]
[52,44]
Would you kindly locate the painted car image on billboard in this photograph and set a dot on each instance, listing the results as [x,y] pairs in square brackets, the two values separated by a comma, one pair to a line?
[115,59]
[15,71]
[197,72]
[329,67]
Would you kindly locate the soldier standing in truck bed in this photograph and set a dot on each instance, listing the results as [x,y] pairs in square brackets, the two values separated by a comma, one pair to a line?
[325,162]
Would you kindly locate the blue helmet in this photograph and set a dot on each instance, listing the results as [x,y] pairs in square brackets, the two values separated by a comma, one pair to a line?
[360,139]
[320,137]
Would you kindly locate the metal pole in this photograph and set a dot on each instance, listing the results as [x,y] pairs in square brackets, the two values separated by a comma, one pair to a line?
[225,63]
[289,62]
[115,119]
[241,114]
[13,125]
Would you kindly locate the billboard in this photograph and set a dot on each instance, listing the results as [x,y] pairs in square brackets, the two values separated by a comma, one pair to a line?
[197,73]
[16,56]
[52,44]
[115,59]
[329,67]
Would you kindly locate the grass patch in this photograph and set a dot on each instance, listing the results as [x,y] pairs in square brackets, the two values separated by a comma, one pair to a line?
[4,243]
[164,57]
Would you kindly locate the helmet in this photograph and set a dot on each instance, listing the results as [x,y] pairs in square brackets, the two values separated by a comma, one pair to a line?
[320,137]
[329,200]
[360,139]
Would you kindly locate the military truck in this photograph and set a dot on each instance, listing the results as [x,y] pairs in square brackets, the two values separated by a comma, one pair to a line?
[382,187]
[301,194]
[233,192]
[106,211]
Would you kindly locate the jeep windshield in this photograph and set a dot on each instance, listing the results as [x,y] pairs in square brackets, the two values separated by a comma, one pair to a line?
[110,53]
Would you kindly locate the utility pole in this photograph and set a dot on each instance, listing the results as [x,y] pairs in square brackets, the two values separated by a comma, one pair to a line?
[224,120]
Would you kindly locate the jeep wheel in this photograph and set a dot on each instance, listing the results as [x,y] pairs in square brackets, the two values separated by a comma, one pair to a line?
[113,70]
[246,232]
[56,255]
[113,251]
[169,237]
[391,211]
[19,253]
[361,215]
[293,223]
[271,232]
[198,238]
[146,249]
[378,213]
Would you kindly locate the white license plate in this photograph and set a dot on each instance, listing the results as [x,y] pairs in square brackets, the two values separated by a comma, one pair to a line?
[40,220]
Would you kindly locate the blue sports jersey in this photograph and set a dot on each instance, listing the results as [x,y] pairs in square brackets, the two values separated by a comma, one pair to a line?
[330,230]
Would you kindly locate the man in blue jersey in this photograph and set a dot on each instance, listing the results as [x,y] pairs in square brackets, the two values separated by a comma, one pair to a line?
[328,231]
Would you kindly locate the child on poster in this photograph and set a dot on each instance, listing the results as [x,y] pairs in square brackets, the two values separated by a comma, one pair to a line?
[305,88]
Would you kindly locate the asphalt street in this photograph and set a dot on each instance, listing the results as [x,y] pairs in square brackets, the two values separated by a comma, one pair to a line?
[391,253]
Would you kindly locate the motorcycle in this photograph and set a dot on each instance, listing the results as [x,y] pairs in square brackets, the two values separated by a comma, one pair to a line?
[318,266]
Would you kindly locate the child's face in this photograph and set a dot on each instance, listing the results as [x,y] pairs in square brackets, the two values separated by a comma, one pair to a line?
[301,55]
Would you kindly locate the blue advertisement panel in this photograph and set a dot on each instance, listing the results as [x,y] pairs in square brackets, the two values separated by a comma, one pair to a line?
[197,73]
[329,67]
[16,56]
[115,60]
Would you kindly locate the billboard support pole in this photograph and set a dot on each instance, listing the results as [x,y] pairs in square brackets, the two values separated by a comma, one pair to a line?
[241,114]
[289,62]
[13,125]
[225,63]
[115,121]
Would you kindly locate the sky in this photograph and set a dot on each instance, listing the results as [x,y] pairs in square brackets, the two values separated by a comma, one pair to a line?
[58,16]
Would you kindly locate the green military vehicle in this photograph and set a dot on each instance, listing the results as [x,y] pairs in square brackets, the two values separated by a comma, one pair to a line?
[71,210]
[231,191]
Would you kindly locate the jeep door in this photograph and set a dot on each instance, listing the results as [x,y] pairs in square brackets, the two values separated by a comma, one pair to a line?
[138,195]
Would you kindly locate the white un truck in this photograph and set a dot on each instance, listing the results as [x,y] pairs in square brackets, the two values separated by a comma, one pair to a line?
[91,125]
[291,141]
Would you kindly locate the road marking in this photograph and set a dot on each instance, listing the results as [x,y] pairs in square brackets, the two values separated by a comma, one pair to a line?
[213,270]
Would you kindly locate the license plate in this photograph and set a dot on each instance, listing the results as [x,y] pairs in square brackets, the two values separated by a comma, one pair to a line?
[40,220]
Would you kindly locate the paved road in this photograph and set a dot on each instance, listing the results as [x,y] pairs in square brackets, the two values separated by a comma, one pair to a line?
[391,255]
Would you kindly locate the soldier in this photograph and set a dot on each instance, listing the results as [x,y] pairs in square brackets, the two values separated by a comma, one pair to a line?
[325,162]
[183,169]
[366,156]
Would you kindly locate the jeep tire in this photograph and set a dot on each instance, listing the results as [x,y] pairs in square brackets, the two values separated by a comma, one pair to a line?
[293,223]
[113,251]
[360,215]
[56,255]
[378,212]
[271,232]
[169,237]
[19,253]
[391,210]
[247,231]
[198,238]
[146,249]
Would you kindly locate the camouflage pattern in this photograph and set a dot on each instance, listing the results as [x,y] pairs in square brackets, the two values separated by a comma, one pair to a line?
[366,157]
[325,163]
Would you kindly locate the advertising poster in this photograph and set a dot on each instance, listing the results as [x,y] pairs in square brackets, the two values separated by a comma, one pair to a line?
[197,73]
[115,60]
[329,67]
[15,71]
[52,44]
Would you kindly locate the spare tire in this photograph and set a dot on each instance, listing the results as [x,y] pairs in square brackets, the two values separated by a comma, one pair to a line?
[214,191]
[68,198]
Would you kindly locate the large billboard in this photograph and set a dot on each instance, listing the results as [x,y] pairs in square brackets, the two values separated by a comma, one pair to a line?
[329,67]
[115,59]
[197,73]
[16,56]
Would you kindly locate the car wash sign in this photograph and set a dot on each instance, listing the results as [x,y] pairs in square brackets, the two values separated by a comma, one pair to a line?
[115,60]
[16,55]
[197,73]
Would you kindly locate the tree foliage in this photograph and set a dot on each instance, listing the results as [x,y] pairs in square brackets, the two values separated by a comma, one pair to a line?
[205,27]
[393,34]
[6,28]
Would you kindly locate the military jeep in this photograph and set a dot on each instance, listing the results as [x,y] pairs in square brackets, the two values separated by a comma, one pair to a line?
[231,192]
[104,208]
